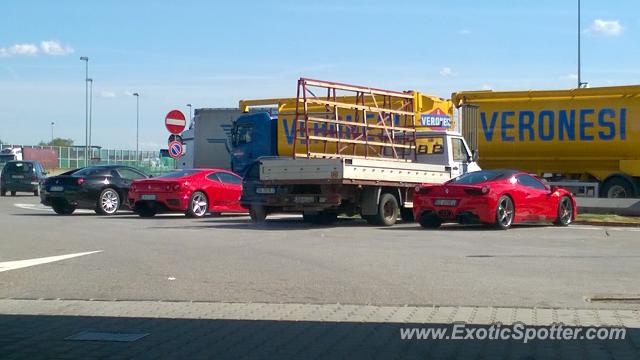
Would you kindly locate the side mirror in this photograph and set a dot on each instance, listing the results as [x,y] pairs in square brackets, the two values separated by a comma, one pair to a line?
[474,155]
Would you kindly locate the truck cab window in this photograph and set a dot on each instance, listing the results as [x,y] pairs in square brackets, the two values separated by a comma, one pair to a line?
[430,145]
[242,135]
[458,149]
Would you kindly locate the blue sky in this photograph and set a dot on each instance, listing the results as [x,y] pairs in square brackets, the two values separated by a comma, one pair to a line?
[213,53]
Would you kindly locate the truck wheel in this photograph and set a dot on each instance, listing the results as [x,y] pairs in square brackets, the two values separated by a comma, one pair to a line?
[13,193]
[618,188]
[3,192]
[430,221]
[505,212]
[565,212]
[407,214]
[387,210]
[257,213]
[63,208]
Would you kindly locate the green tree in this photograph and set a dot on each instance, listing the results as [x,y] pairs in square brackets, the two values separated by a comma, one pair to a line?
[57,142]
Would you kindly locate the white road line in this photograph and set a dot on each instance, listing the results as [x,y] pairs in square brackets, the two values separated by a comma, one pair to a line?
[19,264]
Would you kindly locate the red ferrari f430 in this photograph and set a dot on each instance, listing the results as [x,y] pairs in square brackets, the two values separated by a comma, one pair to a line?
[194,192]
[496,197]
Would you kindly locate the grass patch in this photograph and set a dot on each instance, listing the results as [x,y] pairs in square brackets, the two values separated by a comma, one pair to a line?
[608,218]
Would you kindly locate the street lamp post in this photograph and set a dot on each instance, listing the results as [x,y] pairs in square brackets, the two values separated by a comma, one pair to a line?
[90,116]
[580,83]
[52,124]
[86,108]
[137,95]
[189,106]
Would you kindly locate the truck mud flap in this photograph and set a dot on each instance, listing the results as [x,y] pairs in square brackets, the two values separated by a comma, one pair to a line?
[369,200]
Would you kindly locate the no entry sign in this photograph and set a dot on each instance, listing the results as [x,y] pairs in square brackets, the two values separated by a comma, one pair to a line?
[175,121]
[175,149]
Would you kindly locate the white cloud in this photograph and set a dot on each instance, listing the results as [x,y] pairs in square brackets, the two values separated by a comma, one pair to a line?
[487,87]
[607,28]
[107,94]
[446,71]
[19,49]
[54,48]
[464,32]
[570,77]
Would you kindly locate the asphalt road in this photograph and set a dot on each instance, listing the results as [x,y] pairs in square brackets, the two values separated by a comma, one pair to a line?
[227,259]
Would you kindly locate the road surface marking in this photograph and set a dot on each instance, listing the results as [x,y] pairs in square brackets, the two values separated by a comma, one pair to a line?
[19,264]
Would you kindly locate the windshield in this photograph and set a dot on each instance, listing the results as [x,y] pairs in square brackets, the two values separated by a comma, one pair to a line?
[178,174]
[478,177]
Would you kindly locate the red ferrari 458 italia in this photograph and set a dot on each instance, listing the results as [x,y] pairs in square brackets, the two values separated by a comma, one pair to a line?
[194,192]
[497,197]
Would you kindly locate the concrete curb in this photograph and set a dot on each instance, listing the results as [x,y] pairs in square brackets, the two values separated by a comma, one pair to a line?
[606,223]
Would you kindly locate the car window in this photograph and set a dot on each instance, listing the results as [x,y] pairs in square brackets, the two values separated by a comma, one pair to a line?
[178,174]
[18,167]
[213,177]
[530,181]
[130,174]
[478,177]
[229,179]
[92,171]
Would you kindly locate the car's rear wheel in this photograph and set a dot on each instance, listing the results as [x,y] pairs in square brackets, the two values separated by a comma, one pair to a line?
[108,202]
[565,212]
[505,212]
[63,208]
[430,221]
[147,212]
[257,213]
[198,205]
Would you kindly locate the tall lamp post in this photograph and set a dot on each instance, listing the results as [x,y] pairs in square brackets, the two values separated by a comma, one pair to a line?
[580,83]
[86,108]
[52,124]
[90,116]
[189,106]
[137,95]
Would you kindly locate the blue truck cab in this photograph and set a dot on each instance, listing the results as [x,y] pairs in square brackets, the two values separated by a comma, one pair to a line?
[252,136]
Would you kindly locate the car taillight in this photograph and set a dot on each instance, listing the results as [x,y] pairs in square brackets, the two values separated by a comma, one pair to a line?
[80,181]
[475,191]
[176,187]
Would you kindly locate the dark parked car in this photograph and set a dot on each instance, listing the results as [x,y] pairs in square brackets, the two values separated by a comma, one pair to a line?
[24,176]
[102,188]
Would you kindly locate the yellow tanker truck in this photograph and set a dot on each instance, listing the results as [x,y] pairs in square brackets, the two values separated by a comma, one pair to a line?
[576,137]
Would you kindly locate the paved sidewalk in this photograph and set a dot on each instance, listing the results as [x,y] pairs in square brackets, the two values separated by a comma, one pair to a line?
[47,329]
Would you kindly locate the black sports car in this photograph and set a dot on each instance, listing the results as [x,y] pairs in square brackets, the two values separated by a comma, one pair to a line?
[102,188]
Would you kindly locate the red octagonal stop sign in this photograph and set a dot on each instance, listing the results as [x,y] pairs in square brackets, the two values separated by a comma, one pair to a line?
[175,121]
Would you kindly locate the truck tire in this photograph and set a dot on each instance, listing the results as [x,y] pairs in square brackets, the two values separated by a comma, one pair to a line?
[257,213]
[407,214]
[3,192]
[565,212]
[618,187]
[388,210]
[13,193]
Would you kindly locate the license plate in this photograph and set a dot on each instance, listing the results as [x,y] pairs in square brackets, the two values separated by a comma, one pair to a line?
[445,202]
[56,188]
[147,197]
[303,199]
[17,176]
[265,190]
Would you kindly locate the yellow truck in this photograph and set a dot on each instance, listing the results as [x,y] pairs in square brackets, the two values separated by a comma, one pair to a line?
[584,138]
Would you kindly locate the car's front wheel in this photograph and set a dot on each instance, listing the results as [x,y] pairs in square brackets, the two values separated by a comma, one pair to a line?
[565,212]
[505,212]
[108,202]
[198,205]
